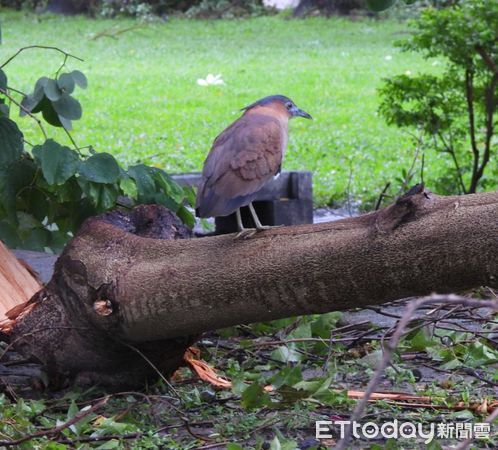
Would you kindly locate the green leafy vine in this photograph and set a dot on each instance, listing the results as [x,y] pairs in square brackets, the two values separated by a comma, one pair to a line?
[47,192]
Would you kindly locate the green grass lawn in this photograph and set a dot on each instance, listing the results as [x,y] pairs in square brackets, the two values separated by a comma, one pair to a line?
[143,102]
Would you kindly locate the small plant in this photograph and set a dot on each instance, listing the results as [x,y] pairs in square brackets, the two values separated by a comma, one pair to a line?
[46,193]
[454,110]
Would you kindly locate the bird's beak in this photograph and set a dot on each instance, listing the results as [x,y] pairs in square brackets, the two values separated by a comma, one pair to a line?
[299,112]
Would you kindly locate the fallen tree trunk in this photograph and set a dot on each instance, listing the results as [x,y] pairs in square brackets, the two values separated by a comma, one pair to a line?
[121,294]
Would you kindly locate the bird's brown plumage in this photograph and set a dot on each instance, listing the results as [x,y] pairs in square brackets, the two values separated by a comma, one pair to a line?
[243,158]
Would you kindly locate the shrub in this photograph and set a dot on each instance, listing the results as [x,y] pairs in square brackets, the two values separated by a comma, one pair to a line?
[46,193]
[453,110]
[144,8]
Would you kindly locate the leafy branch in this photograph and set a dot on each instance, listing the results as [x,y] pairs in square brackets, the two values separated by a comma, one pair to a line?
[46,194]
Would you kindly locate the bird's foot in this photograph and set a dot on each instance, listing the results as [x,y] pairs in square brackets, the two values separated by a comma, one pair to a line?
[267,227]
[246,233]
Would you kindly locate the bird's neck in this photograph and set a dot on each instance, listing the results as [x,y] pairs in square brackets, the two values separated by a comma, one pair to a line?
[273,111]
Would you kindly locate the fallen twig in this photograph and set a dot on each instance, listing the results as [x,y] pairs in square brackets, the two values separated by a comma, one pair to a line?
[392,345]
[113,32]
[417,401]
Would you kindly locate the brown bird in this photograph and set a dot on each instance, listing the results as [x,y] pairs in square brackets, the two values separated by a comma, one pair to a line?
[244,157]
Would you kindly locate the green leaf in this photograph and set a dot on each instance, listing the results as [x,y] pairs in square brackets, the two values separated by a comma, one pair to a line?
[72,410]
[478,354]
[41,83]
[320,389]
[286,354]
[80,79]
[37,202]
[11,142]
[313,386]
[52,90]
[324,323]
[110,445]
[14,178]
[234,446]
[451,365]
[100,168]
[102,196]
[58,163]
[37,240]
[289,376]
[48,112]
[420,340]
[58,240]
[168,185]
[54,446]
[69,192]
[302,331]
[8,234]
[275,444]
[146,186]
[68,107]
[186,216]
[155,186]
[78,427]
[74,214]
[3,80]
[279,443]
[190,194]
[27,222]
[162,199]
[254,396]
[110,426]
[380,5]
[66,83]
[128,186]
[4,109]
[66,123]
[32,102]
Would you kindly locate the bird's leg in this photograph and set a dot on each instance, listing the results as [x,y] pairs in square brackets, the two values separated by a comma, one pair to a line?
[243,232]
[259,226]
[240,225]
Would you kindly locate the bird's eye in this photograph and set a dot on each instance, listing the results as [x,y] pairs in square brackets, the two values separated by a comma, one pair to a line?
[288,105]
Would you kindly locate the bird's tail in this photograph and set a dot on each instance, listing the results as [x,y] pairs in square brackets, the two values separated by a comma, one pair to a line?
[210,204]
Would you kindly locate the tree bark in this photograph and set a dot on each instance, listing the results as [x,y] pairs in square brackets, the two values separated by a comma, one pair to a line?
[122,290]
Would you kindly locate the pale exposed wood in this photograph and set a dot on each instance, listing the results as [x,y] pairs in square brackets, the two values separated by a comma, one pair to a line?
[17,283]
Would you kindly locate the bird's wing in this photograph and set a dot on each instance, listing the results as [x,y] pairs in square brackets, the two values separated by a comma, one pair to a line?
[243,158]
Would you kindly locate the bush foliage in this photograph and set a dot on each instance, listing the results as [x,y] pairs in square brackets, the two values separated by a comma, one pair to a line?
[200,8]
[46,193]
[454,110]
[144,8]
